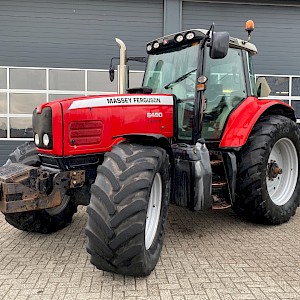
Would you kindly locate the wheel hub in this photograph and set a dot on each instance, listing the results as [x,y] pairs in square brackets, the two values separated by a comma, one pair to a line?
[273,169]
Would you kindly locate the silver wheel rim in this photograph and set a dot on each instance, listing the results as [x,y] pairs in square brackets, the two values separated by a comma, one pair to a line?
[153,211]
[281,187]
[58,209]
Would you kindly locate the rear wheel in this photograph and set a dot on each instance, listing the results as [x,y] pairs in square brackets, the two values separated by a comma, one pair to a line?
[128,209]
[42,221]
[268,180]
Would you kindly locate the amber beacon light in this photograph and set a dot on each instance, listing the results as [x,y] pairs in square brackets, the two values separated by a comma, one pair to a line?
[249,27]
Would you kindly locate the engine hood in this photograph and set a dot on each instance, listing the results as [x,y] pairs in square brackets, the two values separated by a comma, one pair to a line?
[94,124]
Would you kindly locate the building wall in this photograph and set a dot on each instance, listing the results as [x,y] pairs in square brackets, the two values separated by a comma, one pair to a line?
[75,33]
[80,34]
[274,35]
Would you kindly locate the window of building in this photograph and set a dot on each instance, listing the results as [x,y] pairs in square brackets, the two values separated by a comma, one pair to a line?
[27,79]
[3,103]
[285,88]
[295,86]
[23,89]
[279,85]
[3,127]
[3,78]
[68,80]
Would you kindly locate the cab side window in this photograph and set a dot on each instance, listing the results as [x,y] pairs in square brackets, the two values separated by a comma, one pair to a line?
[226,88]
[252,80]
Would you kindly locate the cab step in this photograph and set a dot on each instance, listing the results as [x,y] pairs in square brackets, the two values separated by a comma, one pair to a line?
[216,162]
[219,184]
[219,203]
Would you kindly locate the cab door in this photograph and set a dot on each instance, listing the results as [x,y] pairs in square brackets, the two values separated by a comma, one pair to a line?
[226,88]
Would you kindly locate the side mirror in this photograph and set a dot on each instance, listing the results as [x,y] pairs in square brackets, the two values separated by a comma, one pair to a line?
[263,88]
[219,45]
[111,74]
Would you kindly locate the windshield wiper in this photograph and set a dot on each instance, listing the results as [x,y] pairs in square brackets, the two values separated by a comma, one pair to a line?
[184,76]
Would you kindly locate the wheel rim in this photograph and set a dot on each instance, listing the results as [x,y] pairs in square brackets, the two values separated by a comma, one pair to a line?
[282,171]
[153,211]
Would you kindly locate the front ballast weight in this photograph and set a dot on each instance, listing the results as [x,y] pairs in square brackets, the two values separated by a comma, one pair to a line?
[26,188]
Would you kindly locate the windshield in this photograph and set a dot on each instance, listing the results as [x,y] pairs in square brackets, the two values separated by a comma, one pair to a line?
[173,72]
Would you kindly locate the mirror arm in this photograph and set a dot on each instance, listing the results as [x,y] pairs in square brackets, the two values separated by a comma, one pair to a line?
[211,29]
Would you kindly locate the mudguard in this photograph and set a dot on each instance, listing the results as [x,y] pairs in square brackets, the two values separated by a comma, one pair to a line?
[244,117]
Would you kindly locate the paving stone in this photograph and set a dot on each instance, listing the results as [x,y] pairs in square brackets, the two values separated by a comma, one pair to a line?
[206,255]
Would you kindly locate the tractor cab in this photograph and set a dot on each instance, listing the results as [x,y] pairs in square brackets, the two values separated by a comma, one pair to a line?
[209,73]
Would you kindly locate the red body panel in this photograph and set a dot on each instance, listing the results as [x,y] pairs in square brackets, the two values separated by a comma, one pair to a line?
[242,120]
[57,124]
[126,114]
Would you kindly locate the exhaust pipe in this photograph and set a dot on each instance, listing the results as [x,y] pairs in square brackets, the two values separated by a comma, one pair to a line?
[122,68]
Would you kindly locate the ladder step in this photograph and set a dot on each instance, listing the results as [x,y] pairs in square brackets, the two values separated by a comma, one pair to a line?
[219,184]
[216,162]
[220,205]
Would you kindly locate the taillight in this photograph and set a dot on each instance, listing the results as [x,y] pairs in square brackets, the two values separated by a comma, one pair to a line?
[85,132]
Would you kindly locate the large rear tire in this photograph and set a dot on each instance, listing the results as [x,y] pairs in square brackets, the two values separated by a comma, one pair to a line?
[268,172]
[128,209]
[42,221]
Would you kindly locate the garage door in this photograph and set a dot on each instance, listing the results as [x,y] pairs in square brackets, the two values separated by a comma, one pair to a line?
[276,32]
[76,34]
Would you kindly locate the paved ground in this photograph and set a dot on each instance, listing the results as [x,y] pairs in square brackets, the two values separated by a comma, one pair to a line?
[207,255]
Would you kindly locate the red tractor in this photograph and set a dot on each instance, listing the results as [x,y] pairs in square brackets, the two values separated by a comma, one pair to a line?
[197,134]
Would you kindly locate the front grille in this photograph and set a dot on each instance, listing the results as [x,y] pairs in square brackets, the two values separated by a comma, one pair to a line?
[42,124]
[85,132]
[72,162]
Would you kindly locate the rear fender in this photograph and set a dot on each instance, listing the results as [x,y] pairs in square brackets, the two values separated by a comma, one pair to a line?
[242,120]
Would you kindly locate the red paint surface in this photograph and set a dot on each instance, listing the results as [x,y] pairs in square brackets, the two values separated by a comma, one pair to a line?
[116,121]
[242,120]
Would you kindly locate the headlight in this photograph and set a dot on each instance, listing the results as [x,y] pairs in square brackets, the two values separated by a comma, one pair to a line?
[149,47]
[46,139]
[179,38]
[36,139]
[155,45]
[190,35]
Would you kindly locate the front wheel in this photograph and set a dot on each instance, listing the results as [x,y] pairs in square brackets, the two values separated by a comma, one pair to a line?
[268,172]
[128,209]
